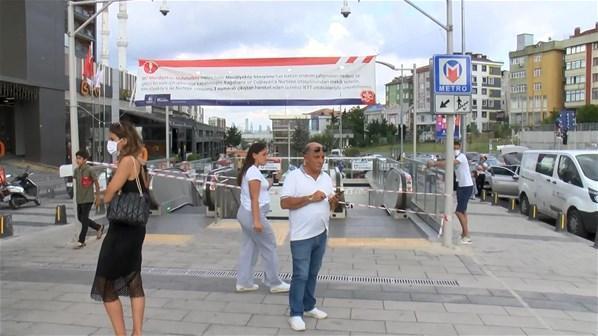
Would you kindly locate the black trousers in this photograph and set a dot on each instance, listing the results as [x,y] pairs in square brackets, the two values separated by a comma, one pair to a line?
[83,216]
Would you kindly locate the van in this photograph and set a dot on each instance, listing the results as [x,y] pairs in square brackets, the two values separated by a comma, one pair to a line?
[336,152]
[561,181]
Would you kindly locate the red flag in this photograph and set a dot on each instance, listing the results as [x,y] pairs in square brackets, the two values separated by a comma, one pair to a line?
[88,65]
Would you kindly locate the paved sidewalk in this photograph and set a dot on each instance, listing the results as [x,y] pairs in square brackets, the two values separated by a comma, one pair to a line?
[518,278]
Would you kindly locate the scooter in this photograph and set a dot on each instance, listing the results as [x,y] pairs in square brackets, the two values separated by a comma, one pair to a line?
[20,191]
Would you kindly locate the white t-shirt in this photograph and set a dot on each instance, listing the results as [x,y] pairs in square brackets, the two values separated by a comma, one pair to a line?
[250,175]
[313,218]
[462,171]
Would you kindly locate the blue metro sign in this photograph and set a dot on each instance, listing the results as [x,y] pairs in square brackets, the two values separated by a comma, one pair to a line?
[452,74]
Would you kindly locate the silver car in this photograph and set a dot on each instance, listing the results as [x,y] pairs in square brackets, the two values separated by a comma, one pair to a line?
[504,180]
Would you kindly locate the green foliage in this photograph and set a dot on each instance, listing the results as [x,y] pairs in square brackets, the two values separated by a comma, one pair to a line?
[193,157]
[232,137]
[551,118]
[588,113]
[503,130]
[325,139]
[299,139]
[352,151]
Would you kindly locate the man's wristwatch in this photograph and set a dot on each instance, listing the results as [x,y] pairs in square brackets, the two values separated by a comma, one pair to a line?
[310,198]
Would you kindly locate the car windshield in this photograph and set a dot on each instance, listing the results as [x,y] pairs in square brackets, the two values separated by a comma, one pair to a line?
[589,165]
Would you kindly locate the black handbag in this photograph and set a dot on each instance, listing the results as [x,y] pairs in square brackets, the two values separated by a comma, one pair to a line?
[129,208]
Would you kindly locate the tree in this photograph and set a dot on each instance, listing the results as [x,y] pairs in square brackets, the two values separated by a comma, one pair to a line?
[503,130]
[588,113]
[355,120]
[299,139]
[232,137]
[326,139]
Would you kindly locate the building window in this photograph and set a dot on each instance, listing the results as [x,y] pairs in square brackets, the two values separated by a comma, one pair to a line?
[538,58]
[484,91]
[595,77]
[537,72]
[475,90]
[575,95]
[579,79]
[595,45]
[595,61]
[484,114]
[483,68]
[484,102]
[484,80]
[474,67]
[594,94]
[537,86]
[575,49]
[475,102]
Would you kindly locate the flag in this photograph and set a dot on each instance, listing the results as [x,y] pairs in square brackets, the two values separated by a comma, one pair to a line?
[88,66]
[97,79]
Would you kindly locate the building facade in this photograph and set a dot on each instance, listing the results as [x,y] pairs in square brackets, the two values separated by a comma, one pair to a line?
[399,99]
[423,113]
[536,74]
[581,68]
[486,93]
[283,128]
[217,122]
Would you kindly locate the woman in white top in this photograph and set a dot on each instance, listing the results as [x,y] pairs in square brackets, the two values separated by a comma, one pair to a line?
[258,237]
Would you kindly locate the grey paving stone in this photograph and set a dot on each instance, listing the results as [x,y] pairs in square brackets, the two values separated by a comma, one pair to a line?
[542,332]
[32,294]
[59,329]
[235,297]
[350,325]
[463,291]
[516,311]
[277,321]
[14,328]
[510,321]
[571,325]
[463,329]
[173,327]
[410,289]
[217,318]
[382,315]
[256,308]
[550,304]
[441,329]
[494,300]
[473,308]
[378,295]
[344,303]
[334,293]
[314,332]
[441,317]
[178,294]
[194,305]
[414,306]
[169,314]
[234,330]
[531,295]
[40,305]
[444,298]
[581,316]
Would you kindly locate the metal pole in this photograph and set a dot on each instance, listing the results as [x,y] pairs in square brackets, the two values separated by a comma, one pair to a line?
[74,122]
[167,122]
[447,237]
[465,117]
[401,111]
[414,110]
[289,140]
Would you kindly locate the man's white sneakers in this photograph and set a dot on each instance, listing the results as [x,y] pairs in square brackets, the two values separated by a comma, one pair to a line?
[240,289]
[296,323]
[282,288]
[316,313]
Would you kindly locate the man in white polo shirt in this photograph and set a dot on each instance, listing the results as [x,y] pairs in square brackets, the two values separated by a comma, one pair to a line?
[309,195]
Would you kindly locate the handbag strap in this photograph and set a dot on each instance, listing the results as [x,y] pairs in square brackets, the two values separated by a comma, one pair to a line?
[137,178]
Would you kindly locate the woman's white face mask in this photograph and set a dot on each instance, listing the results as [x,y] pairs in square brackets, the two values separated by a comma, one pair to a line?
[112,146]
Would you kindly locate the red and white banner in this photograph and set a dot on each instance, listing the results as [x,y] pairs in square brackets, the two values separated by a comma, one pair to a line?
[300,81]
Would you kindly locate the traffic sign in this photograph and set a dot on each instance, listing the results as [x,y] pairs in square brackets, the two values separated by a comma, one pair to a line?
[463,104]
[452,74]
[444,104]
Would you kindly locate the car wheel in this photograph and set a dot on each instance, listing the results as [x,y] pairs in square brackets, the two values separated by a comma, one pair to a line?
[575,223]
[16,201]
[524,205]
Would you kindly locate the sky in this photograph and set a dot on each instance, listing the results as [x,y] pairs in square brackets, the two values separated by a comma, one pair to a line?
[393,30]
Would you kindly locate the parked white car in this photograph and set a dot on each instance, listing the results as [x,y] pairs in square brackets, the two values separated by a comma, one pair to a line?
[564,181]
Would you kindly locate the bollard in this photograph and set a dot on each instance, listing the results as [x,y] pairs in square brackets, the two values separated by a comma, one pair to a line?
[6,229]
[533,211]
[561,222]
[494,198]
[484,195]
[60,216]
[596,240]
[513,205]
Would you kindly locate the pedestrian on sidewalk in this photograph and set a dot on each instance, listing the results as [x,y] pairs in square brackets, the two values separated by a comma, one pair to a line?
[86,179]
[119,264]
[257,234]
[308,193]
[464,188]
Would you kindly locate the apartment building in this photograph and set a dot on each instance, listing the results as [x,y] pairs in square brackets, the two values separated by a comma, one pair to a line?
[283,127]
[399,99]
[581,68]
[423,113]
[486,93]
[536,74]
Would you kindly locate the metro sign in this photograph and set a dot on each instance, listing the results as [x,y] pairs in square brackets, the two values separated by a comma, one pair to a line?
[452,74]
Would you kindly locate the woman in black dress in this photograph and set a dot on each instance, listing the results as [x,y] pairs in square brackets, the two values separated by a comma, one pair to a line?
[119,265]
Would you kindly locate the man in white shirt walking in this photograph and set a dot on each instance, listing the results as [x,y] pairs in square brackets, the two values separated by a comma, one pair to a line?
[309,195]
[464,189]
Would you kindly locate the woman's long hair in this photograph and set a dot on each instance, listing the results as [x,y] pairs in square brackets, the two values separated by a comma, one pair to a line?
[249,161]
[134,144]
